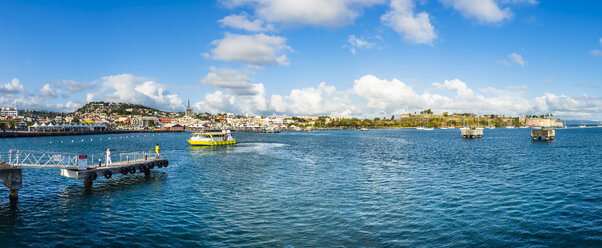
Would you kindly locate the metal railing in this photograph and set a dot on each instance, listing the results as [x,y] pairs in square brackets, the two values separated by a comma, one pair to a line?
[26,158]
[62,160]
[100,159]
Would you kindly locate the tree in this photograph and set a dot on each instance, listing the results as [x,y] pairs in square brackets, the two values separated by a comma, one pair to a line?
[446,114]
[426,112]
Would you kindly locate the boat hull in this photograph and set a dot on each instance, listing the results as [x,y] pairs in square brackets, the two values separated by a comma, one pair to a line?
[212,143]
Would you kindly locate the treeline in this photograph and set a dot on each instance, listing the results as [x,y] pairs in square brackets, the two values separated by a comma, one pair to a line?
[437,122]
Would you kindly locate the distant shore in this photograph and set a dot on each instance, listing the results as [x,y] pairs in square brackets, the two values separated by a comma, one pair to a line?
[21,134]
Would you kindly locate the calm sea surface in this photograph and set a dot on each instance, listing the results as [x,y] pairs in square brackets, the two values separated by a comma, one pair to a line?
[323,188]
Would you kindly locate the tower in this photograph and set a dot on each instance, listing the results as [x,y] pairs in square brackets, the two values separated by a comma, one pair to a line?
[188,112]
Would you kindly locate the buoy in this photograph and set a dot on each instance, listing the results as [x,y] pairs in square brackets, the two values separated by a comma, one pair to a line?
[159,165]
[124,171]
[132,170]
[71,141]
[50,142]
[142,168]
[108,174]
[166,163]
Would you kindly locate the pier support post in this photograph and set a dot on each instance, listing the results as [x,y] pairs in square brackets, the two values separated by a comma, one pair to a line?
[12,179]
[88,183]
[147,173]
[13,194]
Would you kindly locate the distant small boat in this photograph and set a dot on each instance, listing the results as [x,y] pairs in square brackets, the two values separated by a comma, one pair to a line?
[600,125]
[523,127]
[491,127]
[363,129]
[536,127]
[582,126]
[428,129]
[443,128]
[510,126]
[420,128]
[478,128]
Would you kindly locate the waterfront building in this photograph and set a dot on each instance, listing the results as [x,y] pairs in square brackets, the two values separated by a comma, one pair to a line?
[9,112]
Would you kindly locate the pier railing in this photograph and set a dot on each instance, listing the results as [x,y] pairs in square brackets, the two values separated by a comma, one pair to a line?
[41,159]
[100,159]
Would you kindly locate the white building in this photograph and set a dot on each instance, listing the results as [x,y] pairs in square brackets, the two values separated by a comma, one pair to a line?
[9,112]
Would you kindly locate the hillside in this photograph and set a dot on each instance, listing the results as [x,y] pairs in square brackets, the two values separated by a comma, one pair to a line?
[116,108]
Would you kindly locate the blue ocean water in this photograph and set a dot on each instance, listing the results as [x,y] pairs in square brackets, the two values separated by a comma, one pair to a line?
[321,188]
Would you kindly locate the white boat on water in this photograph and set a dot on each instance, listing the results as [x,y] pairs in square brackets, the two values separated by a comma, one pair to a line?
[510,126]
[420,128]
[428,129]
[536,128]
[491,127]
[478,128]
[444,128]
[582,126]
[363,129]
[524,127]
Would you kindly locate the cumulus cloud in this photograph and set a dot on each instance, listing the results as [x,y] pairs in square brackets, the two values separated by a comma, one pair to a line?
[415,29]
[257,49]
[233,81]
[354,43]
[242,22]
[47,91]
[372,96]
[131,89]
[331,13]
[484,11]
[514,58]
[13,87]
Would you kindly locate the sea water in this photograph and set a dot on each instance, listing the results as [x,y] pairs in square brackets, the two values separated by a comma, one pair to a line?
[396,187]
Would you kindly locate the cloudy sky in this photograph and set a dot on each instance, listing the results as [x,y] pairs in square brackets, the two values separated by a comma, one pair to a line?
[364,58]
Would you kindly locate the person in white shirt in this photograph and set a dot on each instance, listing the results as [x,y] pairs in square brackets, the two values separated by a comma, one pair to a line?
[108,160]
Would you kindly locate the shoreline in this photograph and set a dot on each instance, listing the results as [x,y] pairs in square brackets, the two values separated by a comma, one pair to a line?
[25,134]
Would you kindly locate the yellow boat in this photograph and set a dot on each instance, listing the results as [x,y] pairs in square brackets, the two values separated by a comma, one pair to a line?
[212,139]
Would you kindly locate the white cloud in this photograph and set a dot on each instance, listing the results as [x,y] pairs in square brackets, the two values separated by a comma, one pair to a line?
[257,49]
[331,13]
[73,86]
[595,53]
[373,96]
[354,43]
[514,58]
[242,22]
[233,81]
[484,11]
[13,87]
[322,100]
[131,89]
[415,29]
[47,91]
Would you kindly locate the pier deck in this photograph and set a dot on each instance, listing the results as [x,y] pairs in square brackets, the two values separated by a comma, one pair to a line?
[472,133]
[543,134]
[75,166]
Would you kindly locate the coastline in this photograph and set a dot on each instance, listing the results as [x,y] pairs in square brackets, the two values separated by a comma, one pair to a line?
[25,134]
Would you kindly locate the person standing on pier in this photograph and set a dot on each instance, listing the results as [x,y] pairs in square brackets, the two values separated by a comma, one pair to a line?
[157,151]
[108,160]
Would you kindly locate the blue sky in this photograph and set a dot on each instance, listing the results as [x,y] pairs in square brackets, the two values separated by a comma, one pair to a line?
[342,57]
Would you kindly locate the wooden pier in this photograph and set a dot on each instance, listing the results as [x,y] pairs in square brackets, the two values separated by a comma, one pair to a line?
[543,134]
[76,166]
[472,133]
